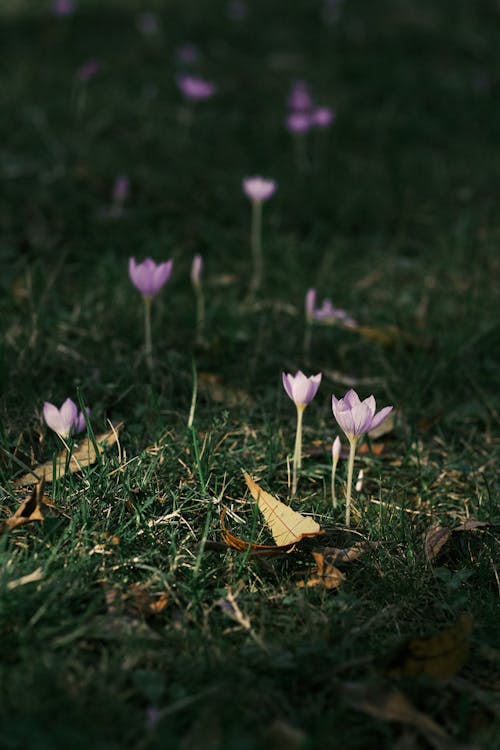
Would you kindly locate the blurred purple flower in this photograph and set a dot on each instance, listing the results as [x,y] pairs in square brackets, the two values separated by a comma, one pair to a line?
[357,417]
[310,304]
[149,277]
[327,313]
[300,98]
[323,117]
[196,270]
[147,23]
[236,10]
[195,88]
[120,190]
[187,53]
[299,122]
[153,716]
[300,388]
[66,420]
[88,70]
[259,189]
[63,7]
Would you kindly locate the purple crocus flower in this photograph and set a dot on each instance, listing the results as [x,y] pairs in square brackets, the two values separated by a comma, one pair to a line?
[327,313]
[300,99]
[149,277]
[299,122]
[121,189]
[88,70]
[195,88]
[196,270]
[300,388]
[66,420]
[187,53]
[356,417]
[259,189]
[63,7]
[336,449]
[323,117]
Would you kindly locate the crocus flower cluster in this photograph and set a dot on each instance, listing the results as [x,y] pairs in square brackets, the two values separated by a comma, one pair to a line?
[326,313]
[303,114]
[65,421]
[195,88]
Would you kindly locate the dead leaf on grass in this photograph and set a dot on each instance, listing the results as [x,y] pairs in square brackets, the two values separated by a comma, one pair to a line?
[437,536]
[389,704]
[286,525]
[341,556]
[440,656]
[135,599]
[82,456]
[35,507]
[254,550]
[323,574]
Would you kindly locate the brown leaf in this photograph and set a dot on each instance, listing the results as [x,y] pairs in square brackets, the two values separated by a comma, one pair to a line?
[135,600]
[389,704]
[324,574]
[35,507]
[338,556]
[255,550]
[471,523]
[435,538]
[82,456]
[287,526]
[440,656]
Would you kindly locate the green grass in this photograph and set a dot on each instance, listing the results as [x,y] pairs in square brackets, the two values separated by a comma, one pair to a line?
[397,222]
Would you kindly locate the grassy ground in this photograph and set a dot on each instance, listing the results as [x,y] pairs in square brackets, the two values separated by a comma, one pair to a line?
[396,219]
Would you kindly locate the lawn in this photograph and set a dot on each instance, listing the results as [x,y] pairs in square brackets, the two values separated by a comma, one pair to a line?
[126,618]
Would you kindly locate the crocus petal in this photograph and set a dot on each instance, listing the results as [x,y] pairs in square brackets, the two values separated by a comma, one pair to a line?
[351,398]
[148,277]
[286,378]
[379,418]
[69,412]
[80,423]
[343,415]
[336,448]
[60,420]
[162,274]
[362,417]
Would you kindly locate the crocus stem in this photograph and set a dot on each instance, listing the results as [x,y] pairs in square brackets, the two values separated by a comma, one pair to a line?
[334,471]
[194,396]
[297,454]
[353,441]
[147,332]
[307,340]
[200,313]
[256,241]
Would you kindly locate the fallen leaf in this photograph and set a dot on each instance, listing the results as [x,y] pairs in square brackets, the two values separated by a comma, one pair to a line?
[82,456]
[339,556]
[134,600]
[35,507]
[387,426]
[255,550]
[389,704]
[440,656]
[324,574]
[286,525]
[435,538]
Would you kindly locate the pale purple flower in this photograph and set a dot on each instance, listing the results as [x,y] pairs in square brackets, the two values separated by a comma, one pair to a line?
[259,189]
[310,304]
[187,53]
[88,70]
[236,10]
[196,270]
[336,449]
[147,23]
[63,7]
[327,313]
[153,716]
[195,88]
[298,122]
[120,189]
[300,388]
[149,277]
[66,420]
[357,417]
[300,98]
[323,117]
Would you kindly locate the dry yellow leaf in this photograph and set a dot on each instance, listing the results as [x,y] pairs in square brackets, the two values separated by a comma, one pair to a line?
[324,574]
[82,456]
[255,550]
[33,508]
[440,656]
[286,525]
